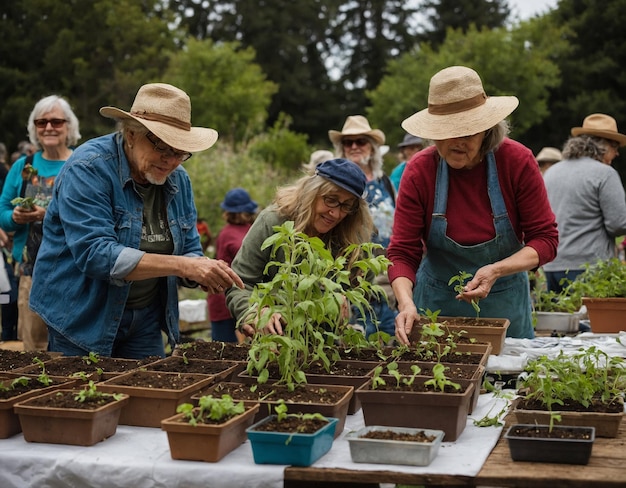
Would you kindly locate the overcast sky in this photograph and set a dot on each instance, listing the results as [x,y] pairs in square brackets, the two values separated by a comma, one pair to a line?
[528,8]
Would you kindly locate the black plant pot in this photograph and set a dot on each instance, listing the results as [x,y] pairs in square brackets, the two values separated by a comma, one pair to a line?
[573,449]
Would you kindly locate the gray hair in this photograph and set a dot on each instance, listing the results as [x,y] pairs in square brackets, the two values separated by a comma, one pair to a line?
[587,146]
[47,104]
[495,136]
[126,125]
[376,158]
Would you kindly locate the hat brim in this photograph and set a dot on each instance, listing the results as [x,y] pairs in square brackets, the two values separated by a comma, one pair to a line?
[614,136]
[194,140]
[335,136]
[469,122]
[247,208]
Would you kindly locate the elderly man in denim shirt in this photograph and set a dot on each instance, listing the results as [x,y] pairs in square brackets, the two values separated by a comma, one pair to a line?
[120,234]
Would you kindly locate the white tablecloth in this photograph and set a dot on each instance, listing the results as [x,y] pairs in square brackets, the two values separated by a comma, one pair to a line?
[139,457]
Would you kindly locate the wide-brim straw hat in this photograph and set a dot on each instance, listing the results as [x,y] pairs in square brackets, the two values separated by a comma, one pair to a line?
[166,112]
[356,125]
[549,154]
[458,107]
[600,125]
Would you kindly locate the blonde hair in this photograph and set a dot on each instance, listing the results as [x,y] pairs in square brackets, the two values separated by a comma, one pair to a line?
[296,202]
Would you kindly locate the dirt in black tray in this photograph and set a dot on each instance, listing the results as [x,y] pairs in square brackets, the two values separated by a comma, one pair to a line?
[542,432]
[301,394]
[201,349]
[67,399]
[155,379]
[10,360]
[617,406]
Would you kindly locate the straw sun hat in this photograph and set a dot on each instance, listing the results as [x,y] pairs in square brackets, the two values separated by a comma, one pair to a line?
[600,125]
[458,107]
[166,112]
[356,125]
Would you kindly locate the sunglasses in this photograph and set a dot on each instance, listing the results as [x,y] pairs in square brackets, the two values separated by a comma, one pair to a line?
[55,123]
[160,146]
[361,141]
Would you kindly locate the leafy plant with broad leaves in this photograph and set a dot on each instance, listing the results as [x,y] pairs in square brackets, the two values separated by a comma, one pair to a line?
[210,407]
[603,279]
[90,393]
[308,290]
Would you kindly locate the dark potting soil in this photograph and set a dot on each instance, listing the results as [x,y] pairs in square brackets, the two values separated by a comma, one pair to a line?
[293,425]
[390,435]
[10,360]
[302,394]
[454,357]
[213,350]
[11,389]
[155,379]
[65,399]
[542,432]
[180,364]
[70,365]
[596,405]
[451,371]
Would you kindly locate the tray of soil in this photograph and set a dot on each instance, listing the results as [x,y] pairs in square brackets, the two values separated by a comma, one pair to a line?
[328,400]
[75,417]
[15,388]
[154,395]
[12,360]
[200,349]
[220,370]
[377,444]
[545,444]
[291,441]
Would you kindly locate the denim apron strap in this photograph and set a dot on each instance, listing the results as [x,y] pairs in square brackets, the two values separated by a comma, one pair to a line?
[445,258]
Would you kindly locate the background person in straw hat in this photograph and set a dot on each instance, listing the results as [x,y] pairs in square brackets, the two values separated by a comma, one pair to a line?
[239,212]
[359,143]
[547,157]
[120,234]
[476,200]
[587,197]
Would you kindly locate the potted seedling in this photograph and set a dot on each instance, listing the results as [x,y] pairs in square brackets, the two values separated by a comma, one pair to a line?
[602,287]
[81,417]
[297,439]
[209,431]
[411,400]
[581,389]
[309,289]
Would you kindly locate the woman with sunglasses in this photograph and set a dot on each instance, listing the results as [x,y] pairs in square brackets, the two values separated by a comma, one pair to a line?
[120,234]
[359,143]
[327,204]
[53,130]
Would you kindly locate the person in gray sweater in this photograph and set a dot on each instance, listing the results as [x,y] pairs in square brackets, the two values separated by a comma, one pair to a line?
[588,200]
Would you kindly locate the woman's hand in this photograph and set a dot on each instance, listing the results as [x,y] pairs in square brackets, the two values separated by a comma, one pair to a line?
[480,285]
[273,326]
[23,215]
[405,321]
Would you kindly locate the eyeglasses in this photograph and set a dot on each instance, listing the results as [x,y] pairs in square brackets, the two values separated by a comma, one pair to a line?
[55,123]
[160,146]
[613,144]
[333,202]
[361,141]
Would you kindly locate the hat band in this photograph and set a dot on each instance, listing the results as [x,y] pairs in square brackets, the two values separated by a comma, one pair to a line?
[164,119]
[456,107]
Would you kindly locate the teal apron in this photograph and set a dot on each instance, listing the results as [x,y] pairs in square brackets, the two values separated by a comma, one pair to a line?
[445,258]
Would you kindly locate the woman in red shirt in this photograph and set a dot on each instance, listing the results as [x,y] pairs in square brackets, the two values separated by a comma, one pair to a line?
[476,200]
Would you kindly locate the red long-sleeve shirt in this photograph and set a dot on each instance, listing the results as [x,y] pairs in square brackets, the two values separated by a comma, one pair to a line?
[469,215]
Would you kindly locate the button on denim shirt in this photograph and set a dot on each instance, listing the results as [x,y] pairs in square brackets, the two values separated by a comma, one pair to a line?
[92,232]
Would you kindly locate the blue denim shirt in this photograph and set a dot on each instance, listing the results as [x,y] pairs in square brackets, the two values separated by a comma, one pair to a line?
[92,232]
